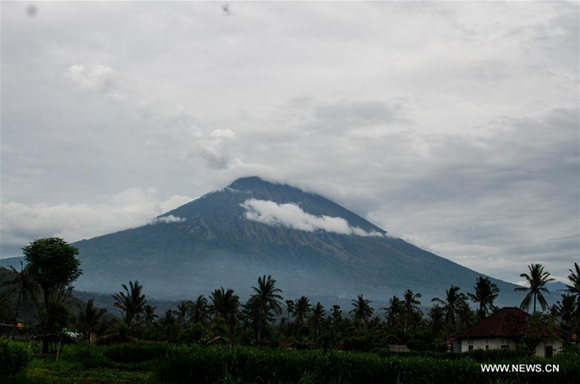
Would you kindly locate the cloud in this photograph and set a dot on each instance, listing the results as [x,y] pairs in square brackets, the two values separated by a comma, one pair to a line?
[168,219]
[100,79]
[292,216]
[134,207]
[453,125]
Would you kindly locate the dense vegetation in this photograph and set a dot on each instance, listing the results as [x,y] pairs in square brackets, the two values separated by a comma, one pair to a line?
[265,338]
[171,363]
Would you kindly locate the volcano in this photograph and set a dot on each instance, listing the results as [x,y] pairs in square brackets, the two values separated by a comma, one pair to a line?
[309,244]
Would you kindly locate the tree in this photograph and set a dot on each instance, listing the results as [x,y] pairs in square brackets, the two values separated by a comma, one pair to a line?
[225,304]
[394,311]
[537,280]
[574,287]
[89,317]
[131,302]
[316,318]
[150,316]
[411,305]
[301,309]
[452,305]
[199,311]
[53,264]
[267,299]
[362,310]
[24,285]
[565,308]
[485,294]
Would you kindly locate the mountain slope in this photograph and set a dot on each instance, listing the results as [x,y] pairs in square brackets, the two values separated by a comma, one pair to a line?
[313,247]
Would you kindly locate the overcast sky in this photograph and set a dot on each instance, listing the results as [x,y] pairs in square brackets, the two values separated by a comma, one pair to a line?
[454,125]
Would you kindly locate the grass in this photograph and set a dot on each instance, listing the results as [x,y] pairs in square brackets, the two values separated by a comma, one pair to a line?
[168,363]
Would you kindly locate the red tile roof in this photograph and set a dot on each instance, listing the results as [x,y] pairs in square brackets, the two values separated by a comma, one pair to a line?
[507,322]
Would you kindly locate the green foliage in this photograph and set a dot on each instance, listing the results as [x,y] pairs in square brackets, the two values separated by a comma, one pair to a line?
[214,365]
[52,262]
[139,352]
[85,354]
[13,357]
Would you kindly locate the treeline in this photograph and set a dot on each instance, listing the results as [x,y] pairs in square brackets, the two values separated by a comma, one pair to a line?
[266,317]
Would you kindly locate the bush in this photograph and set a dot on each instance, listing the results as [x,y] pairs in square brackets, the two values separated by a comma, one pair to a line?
[138,352]
[88,355]
[239,364]
[13,357]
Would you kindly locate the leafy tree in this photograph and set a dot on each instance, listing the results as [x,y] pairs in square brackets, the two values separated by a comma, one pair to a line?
[53,264]
[267,299]
[537,280]
[89,317]
[25,286]
[362,310]
[131,302]
[452,305]
[411,303]
[485,293]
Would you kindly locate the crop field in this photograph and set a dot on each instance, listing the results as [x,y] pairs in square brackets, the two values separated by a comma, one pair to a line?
[21,362]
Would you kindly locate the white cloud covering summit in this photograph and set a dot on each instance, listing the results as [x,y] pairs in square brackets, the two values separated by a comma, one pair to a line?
[292,216]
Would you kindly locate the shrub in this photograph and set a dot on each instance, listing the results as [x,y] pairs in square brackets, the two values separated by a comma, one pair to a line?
[88,355]
[13,357]
[138,352]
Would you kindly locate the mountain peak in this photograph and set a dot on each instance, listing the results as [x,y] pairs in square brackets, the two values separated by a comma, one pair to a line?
[249,182]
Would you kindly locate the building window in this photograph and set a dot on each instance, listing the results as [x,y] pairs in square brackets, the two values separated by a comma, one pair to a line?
[471,347]
[549,351]
[503,347]
[487,347]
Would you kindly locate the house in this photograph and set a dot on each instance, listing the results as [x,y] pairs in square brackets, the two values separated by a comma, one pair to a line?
[502,330]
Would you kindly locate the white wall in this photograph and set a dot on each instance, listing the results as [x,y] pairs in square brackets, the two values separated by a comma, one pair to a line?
[492,343]
[557,345]
[496,343]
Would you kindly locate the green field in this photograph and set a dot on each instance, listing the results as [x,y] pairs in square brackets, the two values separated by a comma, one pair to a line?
[170,363]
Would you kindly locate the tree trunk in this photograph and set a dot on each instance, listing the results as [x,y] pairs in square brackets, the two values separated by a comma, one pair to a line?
[534,304]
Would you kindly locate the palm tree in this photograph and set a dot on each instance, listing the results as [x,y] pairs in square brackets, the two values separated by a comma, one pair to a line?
[452,305]
[565,308]
[394,311]
[316,318]
[199,311]
[289,308]
[411,305]
[436,314]
[150,315]
[183,309]
[24,285]
[301,309]
[537,280]
[336,314]
[485,294]
[225,303]
[362,310]
[574,288]
[131,302]
[267,299]
[89,317]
